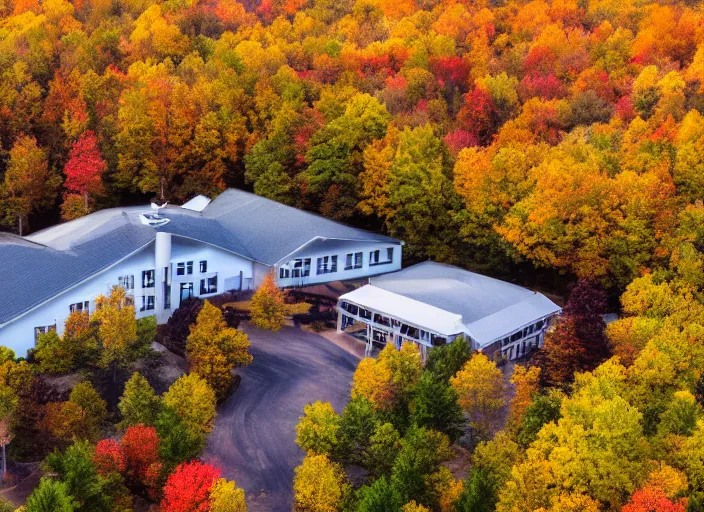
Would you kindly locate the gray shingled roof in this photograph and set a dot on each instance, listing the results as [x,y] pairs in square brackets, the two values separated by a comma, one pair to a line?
[46,263]
[271,230]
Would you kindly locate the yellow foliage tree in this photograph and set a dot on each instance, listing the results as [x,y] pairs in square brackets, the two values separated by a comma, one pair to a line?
[118,328]
[193,400]
[225,496]
[268,309]
[319,485]
[480,391]
[213,349]
[525,382]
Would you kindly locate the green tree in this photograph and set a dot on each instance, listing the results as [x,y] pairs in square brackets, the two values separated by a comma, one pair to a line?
[421,453]
[93,410]
[178,441]
[267,309]
[213,349]
[138,403]
[435,406]
[76,469]
[421,195]
[384,445]
[446,360]
[358,420]
[317,429]
[543,409]
[50,496]
[479,494]
[379,496]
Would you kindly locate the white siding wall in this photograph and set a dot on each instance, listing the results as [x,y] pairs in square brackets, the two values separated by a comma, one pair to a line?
[341,249]
[19,335]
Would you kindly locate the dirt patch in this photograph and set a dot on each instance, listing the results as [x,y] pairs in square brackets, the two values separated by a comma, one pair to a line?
[164,370]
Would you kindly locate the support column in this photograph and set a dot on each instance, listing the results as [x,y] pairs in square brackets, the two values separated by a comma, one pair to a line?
[339,320]
[162,265]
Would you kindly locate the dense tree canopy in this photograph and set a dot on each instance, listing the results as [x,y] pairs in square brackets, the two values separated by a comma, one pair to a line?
[567,136]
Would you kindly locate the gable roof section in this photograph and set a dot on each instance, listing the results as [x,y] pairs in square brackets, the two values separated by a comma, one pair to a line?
[271,231]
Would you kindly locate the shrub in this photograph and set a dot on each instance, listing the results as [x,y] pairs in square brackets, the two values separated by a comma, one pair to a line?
[178,327]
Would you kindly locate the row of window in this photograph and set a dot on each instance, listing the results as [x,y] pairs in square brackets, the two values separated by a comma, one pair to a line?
[523,333]
[328,264]
[404,329]
[185,268]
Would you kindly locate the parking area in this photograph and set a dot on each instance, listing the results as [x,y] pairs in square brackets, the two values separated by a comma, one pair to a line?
[253,441]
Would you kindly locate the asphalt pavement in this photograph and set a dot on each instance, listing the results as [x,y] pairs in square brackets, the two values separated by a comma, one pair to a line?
[254,439]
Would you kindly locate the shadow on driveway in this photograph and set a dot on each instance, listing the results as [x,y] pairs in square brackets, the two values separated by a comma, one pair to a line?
[254,439]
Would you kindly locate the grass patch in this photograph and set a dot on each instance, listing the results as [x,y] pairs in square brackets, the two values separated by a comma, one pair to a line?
[300,308]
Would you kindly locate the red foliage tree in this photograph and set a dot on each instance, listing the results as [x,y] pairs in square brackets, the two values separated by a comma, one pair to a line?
[85,167]
[188,488]
[478,115]
[140,450]
[451,71]
[545,86]
[108,457]
[460,139]
[653,499]
[578,342]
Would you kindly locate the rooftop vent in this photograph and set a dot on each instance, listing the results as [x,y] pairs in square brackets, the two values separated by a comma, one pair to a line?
[154,219]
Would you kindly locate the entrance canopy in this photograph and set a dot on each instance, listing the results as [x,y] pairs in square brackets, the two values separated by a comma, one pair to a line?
[414,312]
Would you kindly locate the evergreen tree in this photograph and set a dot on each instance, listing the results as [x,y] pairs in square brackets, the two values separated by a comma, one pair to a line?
[50,496]
[77,470]
[446,360]
[377,497]
[435,406]
[139,403]
[479,493]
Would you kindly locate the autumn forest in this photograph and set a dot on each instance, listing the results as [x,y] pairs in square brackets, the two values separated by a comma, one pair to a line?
[561,139]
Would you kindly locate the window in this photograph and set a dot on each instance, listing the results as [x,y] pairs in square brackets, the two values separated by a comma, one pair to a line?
[126,282]
[38,331]
[375,257]
[186,291]
[147,279]
[147,303]
[184,268]
[167,296]
[301,267]
[284,273]
[382,320]
[80,307]
[209,285]
[365,313]
[327,264]
[353,260]
[203,267]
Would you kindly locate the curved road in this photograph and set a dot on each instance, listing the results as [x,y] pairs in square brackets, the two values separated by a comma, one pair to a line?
[254,439]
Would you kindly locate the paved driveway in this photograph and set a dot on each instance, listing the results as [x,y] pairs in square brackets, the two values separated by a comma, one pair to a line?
[254,440]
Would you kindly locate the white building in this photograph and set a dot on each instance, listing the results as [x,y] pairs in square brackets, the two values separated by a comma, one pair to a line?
[432,303]
[200,249]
